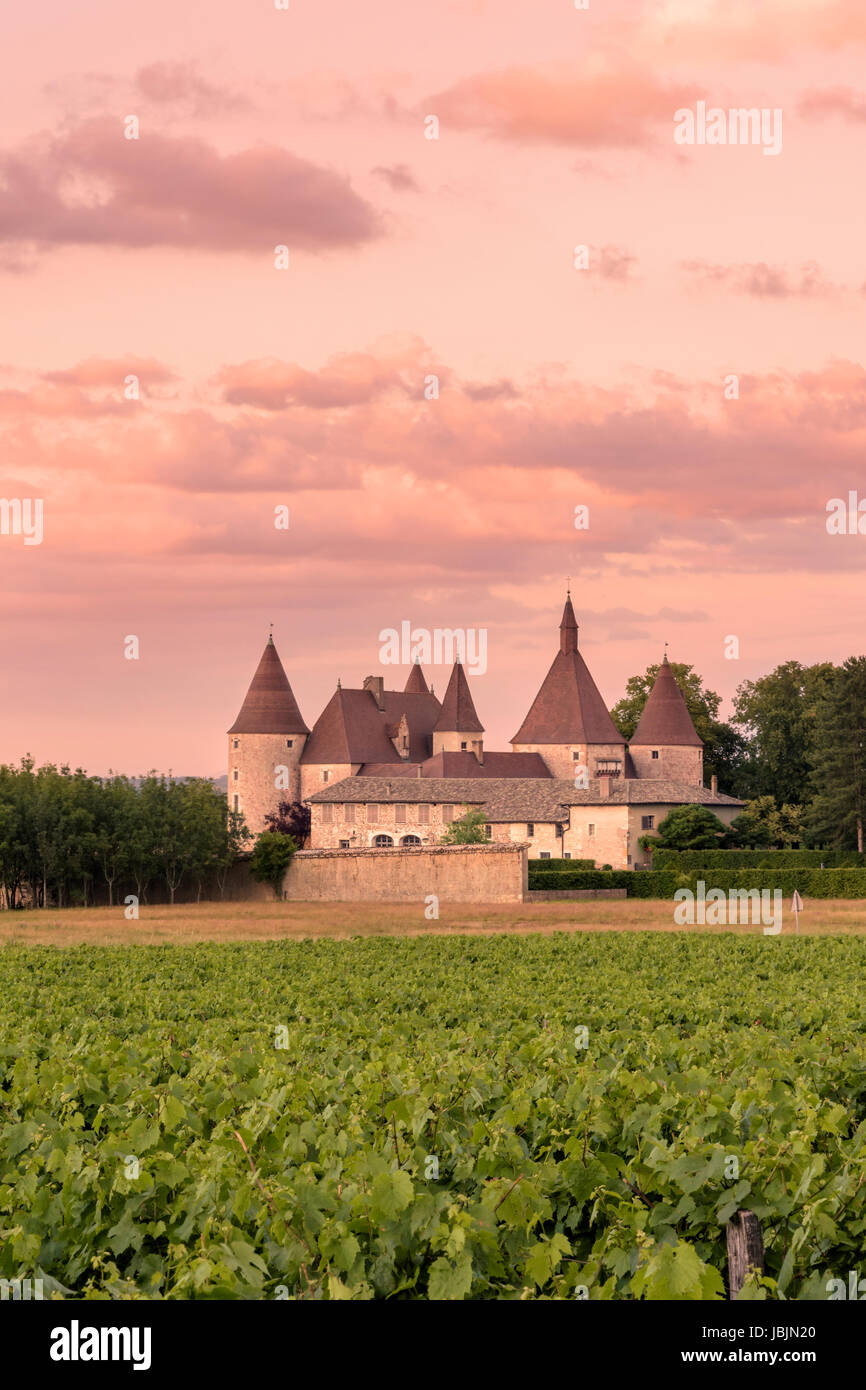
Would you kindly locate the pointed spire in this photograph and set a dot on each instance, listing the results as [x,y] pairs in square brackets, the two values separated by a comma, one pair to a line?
[568,628]
[269,706]
[458,711]
[569,707]
[665,721]
[416,684]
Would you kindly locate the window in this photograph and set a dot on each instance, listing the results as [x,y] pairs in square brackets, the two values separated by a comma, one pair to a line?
[608,767]
[447,814]
[349,813]
[326,775]
[289,742]
[647,822]
[372,813]
[383,842]
[545,854]
[344,844]
[400,813]
[567,854]
[410,840]
[423,813]
[488,831]
[576,756]
[405,740]
[590,829]
[235,775]
[328,814]
[654,753]
[463,747]
[629,859]
[530,830]
[236,742]
[236,803]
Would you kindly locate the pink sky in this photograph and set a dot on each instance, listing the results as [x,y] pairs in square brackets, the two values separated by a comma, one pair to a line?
[411,257]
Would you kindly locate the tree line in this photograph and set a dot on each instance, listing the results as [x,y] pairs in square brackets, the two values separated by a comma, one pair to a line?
[793,748]
[68,839]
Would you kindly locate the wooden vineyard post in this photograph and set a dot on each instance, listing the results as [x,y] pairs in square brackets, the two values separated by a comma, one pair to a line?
[745,1249]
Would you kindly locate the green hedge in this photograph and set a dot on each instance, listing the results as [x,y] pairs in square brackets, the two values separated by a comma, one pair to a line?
[687,860]
[656,883]
[643,884]
[559,865]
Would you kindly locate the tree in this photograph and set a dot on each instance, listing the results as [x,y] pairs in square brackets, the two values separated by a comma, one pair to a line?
[724,748]
[776,713]
[764,824]
[291,818]
[687,827]
[271,856]
[837,752]
[469,829]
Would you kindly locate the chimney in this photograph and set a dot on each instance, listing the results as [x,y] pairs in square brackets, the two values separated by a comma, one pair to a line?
[714,785]
[478,747]
[604,788]
[419,769]
[376,687]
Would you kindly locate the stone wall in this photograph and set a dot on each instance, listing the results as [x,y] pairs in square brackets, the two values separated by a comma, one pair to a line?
[463,874]
[253,760]
[672,764]
[564,759]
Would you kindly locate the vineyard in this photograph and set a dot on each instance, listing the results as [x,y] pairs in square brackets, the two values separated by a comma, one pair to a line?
[435,1118]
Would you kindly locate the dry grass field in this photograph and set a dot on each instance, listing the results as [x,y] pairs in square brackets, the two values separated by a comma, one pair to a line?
[262,921]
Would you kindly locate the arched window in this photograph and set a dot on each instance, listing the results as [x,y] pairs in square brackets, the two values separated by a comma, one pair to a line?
[411,840]
[383,842]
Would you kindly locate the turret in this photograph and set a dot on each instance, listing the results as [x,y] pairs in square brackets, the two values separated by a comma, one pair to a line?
[265,744]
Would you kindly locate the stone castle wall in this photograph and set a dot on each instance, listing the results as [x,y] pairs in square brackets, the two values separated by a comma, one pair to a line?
[464,874]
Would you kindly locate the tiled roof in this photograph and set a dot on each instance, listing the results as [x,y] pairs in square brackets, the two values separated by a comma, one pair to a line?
[519,798]
[569,707]
[465,765]
[269,706]
[665,720]
[458,711]
[352,728]
[416,684]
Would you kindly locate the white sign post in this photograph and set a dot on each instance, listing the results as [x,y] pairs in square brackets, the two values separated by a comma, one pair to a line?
[797,905]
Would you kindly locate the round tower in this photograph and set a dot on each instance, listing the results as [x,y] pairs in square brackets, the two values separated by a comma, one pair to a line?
[265,744]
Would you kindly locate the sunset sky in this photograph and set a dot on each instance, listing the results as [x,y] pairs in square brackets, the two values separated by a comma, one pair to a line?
[411,257]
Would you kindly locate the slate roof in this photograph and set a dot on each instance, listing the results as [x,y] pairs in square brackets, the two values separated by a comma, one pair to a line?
[416,684]
[569,707]
[465,765]
[352,728]
[519,798]
[665,721]
[458,711]
[269,706]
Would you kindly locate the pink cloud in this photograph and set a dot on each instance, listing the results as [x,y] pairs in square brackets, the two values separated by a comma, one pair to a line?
[764,281]
[91,185]
[602,105]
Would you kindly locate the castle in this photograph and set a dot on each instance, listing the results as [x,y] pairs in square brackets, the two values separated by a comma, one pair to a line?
[388,769]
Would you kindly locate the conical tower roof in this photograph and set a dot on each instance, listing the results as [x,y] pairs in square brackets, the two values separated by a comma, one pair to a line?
[458,711]
[569,707]
[416,684]
[269,706]
[665,721]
